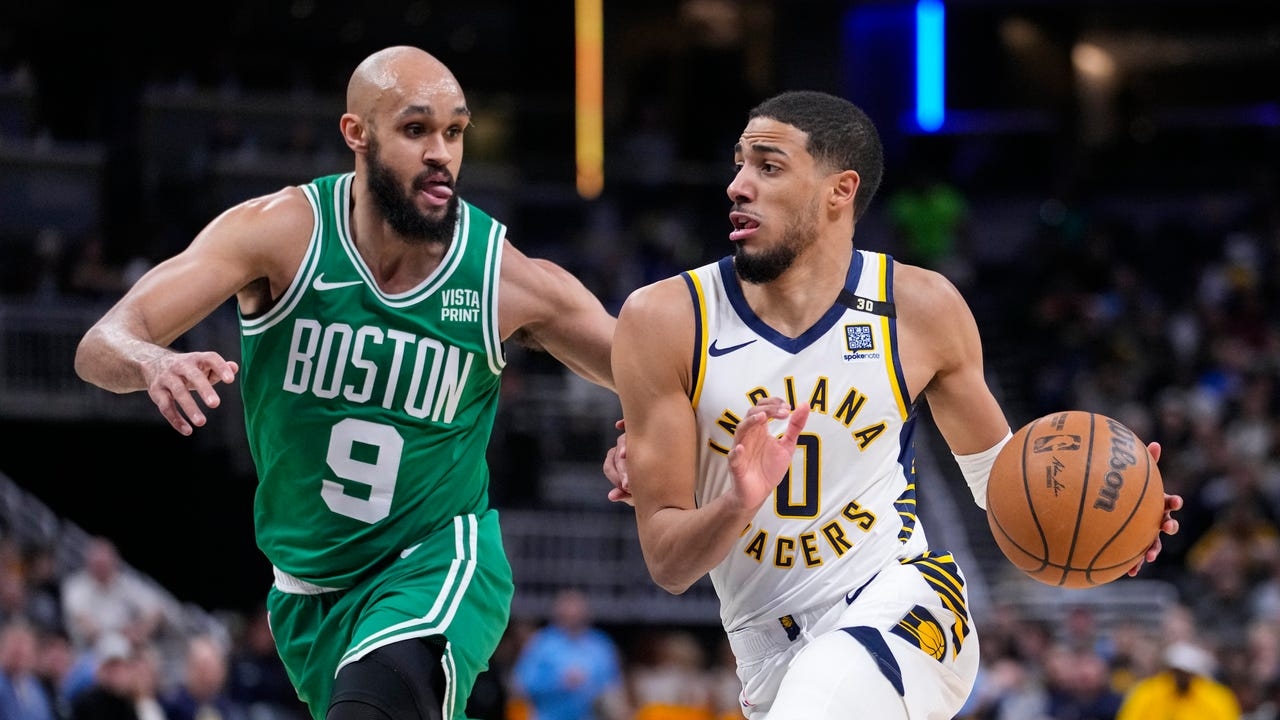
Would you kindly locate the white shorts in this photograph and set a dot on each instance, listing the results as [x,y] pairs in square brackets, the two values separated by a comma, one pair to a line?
[901,647]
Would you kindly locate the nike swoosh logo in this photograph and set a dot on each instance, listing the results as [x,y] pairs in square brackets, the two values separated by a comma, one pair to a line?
[714,351]
[321,285]
[409,550]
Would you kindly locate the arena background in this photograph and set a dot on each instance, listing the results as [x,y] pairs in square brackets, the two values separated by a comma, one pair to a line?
[123,130]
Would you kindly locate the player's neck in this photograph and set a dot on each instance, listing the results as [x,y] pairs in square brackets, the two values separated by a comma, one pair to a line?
[798,298]
[396,264]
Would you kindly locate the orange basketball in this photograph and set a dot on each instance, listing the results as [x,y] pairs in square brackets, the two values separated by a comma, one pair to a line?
[1075,499]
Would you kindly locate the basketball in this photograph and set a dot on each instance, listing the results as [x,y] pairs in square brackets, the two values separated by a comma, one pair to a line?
[1075,499]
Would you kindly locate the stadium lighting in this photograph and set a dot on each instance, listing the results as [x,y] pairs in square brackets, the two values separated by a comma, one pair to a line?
[930,65]
[589,91]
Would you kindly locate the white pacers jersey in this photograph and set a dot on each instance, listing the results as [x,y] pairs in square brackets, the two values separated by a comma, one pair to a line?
[847,508]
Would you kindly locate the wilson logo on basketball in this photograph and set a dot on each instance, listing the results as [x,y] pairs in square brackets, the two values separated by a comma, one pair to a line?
[1055,443]
[1123,456]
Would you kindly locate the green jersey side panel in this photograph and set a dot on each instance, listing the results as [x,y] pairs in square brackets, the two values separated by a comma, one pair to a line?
[369,414]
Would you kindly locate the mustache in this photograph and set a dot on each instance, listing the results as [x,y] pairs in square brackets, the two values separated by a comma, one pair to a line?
[434,176]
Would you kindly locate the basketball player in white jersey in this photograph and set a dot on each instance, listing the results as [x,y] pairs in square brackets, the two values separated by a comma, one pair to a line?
[770,401]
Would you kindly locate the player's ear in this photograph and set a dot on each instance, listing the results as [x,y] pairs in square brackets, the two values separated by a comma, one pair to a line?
[354,132]
[845,188]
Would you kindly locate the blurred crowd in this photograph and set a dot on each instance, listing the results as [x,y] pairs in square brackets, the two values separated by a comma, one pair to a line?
[98,642]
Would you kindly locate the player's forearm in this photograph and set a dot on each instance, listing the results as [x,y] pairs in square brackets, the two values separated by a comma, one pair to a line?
[114,359]
[682,545]
[588,352]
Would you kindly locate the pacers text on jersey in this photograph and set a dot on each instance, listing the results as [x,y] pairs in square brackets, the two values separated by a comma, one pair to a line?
[797,494]
[396,369]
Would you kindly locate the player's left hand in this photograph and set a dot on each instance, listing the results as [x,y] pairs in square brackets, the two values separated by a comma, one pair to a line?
[615,468]
[1168,525]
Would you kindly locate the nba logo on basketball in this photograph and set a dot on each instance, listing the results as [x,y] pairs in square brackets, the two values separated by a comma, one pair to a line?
[1053,443]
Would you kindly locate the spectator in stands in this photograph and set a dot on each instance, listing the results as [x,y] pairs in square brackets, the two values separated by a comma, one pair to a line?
[80,672]
[22,695]
[1136,653]
[491,698]
[675,684]
[13,595]
[150,683]
[569,669]
[1184,690]
[53,667]
[1240,545]
[10,554]
[726,688]
[111,695]
[1252,668]
[1006,689]
[202,692]
[105,596]
[1079,686]
[44,586]
[1178,623]
[49,276]
[1083,632]
[257,682]
[92,275]
[1011,682]
[515,705]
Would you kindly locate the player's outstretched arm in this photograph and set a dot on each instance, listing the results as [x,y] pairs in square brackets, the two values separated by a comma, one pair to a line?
[248,250]
[545,307]
[942,357]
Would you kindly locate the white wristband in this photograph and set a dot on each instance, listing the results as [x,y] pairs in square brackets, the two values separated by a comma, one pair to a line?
[976,469]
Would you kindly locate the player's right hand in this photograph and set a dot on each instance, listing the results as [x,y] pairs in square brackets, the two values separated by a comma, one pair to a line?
[615,468]
[759,458]
[175,380]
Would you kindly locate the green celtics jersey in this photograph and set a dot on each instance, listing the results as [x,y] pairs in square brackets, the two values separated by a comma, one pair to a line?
[369,413]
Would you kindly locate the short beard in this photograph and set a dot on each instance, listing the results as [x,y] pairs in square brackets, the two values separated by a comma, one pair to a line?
[767,266]
[763,267]
[399,210]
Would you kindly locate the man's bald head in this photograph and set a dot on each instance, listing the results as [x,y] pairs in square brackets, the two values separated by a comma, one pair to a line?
[397,72]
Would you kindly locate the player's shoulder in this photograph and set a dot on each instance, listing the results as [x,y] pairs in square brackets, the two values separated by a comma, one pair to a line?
[275,212]
[664,298]
[275,228]
[925,290]
[663,292]
[287,203]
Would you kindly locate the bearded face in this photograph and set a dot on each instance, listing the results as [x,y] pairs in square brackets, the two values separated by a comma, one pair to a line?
[398,207]
[767,265]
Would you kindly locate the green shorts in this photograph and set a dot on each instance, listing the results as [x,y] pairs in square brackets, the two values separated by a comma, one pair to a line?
[455,585]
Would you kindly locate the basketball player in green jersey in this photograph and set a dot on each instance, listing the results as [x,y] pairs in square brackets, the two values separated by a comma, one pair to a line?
[373,307]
